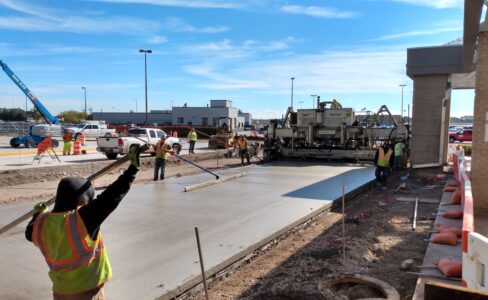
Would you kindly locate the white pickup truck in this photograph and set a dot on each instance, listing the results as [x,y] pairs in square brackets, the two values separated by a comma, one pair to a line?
[113,146]
[91,130]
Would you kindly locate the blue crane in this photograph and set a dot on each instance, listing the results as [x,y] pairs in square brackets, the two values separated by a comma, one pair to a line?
[33,139]
[48,117]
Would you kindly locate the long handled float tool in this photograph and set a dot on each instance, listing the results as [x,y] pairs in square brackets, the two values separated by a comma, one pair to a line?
[90,178]
[208,183]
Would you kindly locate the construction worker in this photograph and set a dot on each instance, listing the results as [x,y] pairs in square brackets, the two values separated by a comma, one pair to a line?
[399,155]
[67,138]
[69,236]
[383,159]
[335,104]
[192,137]
[242,145]
[163,151]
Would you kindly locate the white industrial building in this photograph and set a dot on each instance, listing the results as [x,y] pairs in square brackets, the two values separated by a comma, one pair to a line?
[220,112]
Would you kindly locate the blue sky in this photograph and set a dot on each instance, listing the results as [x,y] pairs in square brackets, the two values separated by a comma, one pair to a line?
[242,50]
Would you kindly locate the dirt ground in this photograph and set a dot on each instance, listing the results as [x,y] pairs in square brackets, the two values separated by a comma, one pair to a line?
[379,234]
[379,237]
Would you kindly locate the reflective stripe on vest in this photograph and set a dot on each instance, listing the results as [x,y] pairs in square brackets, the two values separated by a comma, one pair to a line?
[76,262]
[384,160]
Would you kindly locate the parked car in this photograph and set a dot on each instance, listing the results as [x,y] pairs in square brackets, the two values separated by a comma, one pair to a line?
[249,127]
[463,135]
[91,130]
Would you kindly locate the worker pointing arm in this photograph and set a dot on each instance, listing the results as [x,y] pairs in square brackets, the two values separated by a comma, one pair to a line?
[69,236]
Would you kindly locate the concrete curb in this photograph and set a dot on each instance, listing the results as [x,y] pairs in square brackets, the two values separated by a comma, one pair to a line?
[241,256]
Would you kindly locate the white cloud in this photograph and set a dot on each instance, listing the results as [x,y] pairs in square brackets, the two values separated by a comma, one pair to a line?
[437,4]
[418,33]
[119,25]
[316,11]
[185,3]
[180,25]
[26,8]
[157,39]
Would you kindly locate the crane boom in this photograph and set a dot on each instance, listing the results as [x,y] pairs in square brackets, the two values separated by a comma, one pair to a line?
[47,116]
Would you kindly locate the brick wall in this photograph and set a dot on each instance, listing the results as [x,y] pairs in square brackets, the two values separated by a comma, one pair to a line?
[479,158]
[428,94]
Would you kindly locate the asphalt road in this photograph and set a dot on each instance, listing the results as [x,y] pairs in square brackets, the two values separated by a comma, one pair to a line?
[150,237]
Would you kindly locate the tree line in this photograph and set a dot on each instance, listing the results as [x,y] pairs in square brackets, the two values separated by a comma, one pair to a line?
[18,114]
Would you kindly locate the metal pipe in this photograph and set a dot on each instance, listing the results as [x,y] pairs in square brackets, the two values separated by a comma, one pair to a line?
[414,223]
[192,163]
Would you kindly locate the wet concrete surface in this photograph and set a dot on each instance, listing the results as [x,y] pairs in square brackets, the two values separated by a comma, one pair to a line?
[150,237]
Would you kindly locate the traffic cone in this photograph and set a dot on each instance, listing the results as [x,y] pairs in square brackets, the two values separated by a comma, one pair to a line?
[77,147]
[82,139]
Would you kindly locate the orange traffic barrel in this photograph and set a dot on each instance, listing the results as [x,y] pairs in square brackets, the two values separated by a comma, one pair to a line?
[77,147]
[82,139]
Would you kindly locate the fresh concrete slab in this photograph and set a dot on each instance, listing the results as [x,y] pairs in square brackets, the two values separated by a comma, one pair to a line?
[150,237]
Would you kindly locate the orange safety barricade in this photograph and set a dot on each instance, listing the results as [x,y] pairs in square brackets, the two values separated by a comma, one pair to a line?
[82,139]
[175,134]
[77,147]
[44,145]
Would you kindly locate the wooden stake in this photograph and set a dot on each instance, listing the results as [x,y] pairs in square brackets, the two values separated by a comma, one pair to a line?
[201,263]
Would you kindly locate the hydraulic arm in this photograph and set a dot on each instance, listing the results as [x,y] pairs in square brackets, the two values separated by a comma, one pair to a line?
[48,117]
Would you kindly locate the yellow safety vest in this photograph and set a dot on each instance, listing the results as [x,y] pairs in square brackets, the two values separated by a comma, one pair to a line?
[162,150]
[242,144]
[384,159]
[76,262]
[192,136]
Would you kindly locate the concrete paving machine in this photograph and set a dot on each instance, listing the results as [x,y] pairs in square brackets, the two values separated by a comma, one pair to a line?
[333,133]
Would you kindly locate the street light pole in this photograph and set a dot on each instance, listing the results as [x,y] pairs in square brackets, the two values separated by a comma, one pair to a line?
[84,89]
[293,78]
[145,74]
[402,86]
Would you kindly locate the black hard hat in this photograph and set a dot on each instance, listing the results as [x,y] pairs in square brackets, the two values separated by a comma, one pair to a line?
[72,192]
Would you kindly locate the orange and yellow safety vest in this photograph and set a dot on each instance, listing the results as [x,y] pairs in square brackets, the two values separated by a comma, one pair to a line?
[384,159]
[77,263]
[162,150]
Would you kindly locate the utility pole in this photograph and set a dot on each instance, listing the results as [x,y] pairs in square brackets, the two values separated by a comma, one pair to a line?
[401,112]
[84,89]
[293,78]
[145,75]
[313,100]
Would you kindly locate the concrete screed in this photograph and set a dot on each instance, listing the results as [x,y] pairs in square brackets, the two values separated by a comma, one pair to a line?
[150,237]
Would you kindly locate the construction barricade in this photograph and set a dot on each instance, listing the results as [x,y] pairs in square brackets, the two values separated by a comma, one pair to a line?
[76,147]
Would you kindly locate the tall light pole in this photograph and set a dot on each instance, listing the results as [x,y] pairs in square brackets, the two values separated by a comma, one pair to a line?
[313,100]
[293,78]
[136,103]
[301,102]
[401,112]
[84,89]
[145,74]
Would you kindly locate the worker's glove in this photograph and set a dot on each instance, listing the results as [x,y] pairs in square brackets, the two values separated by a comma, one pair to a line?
[40,207]
[134,153]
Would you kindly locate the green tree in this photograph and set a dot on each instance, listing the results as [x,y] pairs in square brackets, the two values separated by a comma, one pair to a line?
[71,116]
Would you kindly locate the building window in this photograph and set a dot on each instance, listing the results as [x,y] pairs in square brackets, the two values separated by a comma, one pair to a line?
[180,120]
[215,121]
[204,121]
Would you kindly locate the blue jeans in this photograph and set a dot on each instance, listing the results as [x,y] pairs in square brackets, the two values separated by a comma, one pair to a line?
[192,147]
[381,174]
[159,163]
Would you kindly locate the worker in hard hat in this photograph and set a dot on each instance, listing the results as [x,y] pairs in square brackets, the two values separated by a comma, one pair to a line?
[67,139]
[242,146]
[335,104]
[383,159]
[69,236]
[163,151]
[192,137]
